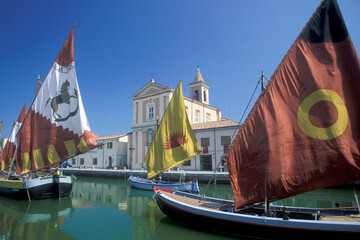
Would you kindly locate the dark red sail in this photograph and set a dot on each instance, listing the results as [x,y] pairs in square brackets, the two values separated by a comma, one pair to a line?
[303,133]
[10,146]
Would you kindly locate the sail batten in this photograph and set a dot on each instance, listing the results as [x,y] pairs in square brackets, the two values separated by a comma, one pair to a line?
[302,134]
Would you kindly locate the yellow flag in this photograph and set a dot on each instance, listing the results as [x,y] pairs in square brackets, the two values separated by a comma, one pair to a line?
[175,141]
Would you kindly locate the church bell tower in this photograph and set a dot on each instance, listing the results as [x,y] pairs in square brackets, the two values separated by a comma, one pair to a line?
[199,89]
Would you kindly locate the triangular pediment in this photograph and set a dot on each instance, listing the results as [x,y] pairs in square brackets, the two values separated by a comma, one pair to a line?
[150,89]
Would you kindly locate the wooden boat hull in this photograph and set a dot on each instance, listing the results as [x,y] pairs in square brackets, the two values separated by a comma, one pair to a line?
[146,184]
[209,216]
[37,188]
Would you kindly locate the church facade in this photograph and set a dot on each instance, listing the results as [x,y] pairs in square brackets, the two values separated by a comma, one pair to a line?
[127,151]
[149,105]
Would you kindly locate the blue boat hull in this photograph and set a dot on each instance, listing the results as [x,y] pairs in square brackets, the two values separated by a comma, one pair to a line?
[147,184]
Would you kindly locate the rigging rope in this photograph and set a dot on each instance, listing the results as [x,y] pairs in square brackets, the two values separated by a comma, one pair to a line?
[232,138]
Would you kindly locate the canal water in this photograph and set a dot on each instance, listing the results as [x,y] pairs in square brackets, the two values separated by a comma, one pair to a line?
[109,209]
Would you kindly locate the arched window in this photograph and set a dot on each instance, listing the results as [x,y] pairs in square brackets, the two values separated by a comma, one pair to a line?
[196,95]
[204,96]
[150,134]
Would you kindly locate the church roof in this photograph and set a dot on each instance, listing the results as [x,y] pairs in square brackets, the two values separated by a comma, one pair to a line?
[110,137]
[217,124]
[199,79]
[151,88]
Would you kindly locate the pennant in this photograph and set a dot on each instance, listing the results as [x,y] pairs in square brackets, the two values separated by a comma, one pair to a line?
[10,145]
[56,127]
[175,141]
[303,134]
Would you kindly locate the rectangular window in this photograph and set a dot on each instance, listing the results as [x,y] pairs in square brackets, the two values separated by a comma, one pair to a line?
[205,142]
[82,161]
[207,117]
[197,113]
[109,145]
[187,163]
[94,161]
[100,146]
[73,161]
[150,111]
[225,140]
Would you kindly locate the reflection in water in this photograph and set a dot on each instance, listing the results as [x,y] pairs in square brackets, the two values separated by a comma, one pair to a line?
[133,214]
[323,198]
[39,219]
[110,209]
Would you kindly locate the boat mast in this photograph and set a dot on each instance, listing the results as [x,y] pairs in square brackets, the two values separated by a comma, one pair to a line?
[38,84]
[17,141]
[13,158]
[262,82]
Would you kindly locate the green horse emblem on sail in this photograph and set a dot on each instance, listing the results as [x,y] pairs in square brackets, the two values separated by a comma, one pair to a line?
[63,98]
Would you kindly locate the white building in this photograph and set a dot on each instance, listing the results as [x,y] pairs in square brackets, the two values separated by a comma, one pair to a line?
[214,138]
[112,153]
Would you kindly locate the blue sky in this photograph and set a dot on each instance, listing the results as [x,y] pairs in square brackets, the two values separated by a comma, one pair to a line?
[121,45]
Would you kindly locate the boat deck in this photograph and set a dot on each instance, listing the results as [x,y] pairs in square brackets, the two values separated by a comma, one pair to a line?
[220,206]
[351,218]
[195,202]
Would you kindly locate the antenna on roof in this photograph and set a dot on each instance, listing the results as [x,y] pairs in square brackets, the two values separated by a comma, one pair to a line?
[152,78]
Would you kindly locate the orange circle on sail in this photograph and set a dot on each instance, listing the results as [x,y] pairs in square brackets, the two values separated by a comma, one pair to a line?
[313,131]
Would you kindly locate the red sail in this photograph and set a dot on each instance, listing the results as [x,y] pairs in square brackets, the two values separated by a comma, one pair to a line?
[10,146]
[56,127]
[303,134]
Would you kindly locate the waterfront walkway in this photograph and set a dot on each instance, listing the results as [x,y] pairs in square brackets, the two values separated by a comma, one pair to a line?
[202,176]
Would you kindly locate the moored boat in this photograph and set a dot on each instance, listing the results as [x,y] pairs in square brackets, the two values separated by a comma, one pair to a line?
[150,184]
[221,216]
[301,135]
[39,187]
[54,129]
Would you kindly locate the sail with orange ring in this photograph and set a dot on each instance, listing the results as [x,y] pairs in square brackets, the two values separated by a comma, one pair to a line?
[303,133]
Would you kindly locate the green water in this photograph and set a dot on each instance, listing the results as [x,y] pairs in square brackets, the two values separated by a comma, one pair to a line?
[110,209]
